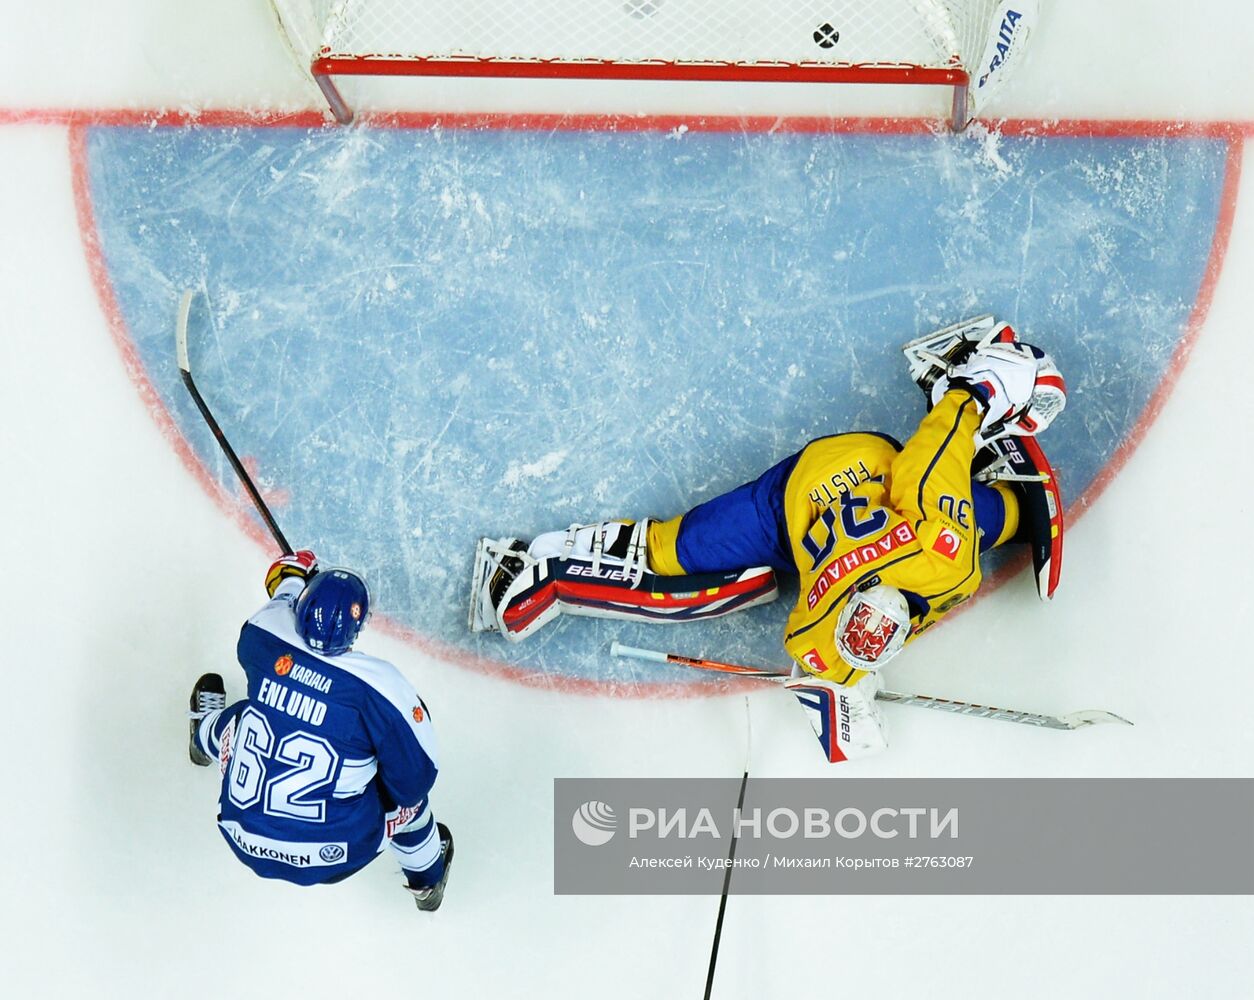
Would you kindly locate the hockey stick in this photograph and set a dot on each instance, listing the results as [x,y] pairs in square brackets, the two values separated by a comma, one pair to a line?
[1072,720]
[636,653]
[731,852]
[180,340]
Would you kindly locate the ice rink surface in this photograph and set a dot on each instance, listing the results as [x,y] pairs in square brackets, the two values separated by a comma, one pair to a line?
[131,564]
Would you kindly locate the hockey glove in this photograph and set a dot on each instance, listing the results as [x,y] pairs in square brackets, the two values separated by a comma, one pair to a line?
[846,720]
[1009,379]
[302,564]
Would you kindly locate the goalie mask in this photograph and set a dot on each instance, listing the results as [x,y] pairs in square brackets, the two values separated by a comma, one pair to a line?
[873,627]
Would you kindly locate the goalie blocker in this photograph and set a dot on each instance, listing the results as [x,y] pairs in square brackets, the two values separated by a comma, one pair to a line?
[599,571]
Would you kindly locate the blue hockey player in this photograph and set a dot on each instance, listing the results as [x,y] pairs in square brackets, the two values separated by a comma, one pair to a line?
[332,754]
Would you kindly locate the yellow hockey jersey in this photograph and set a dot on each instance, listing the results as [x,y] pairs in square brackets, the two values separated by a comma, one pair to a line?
[857,508]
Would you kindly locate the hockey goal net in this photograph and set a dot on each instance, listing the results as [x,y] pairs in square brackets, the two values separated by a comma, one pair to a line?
[955,43]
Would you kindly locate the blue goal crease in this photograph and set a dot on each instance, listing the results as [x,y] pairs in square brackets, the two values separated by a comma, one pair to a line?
[425,336]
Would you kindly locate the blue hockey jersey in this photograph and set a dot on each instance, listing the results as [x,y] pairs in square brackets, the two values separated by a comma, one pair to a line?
[328,756]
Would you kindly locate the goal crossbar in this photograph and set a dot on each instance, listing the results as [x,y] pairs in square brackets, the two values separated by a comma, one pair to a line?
[928,42]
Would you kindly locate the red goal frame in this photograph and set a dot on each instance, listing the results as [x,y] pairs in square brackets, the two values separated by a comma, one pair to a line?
[325,68]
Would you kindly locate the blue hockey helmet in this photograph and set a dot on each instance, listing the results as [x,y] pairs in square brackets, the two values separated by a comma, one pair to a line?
[331,611]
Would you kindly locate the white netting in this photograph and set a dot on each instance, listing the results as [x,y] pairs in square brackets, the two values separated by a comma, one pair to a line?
[927,33]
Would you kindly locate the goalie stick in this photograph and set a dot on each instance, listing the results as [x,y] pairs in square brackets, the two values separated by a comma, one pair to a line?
[185,367]
[1072,720]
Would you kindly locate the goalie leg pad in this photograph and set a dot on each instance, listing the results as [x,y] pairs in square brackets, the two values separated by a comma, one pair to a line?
[580,586]
[510,575]
[1021,462]
[497,563]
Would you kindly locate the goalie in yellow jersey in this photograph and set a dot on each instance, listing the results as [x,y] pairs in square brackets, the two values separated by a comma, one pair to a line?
[886,539]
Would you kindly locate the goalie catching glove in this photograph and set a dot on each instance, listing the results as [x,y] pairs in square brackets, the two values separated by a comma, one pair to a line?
[1019,385]
[1011,380]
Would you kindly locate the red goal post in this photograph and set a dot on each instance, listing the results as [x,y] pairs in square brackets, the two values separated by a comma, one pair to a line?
[964,44]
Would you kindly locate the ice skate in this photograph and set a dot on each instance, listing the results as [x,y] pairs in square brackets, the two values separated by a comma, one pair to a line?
[208,695]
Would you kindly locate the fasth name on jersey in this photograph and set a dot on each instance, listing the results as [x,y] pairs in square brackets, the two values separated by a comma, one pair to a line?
[845,481]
